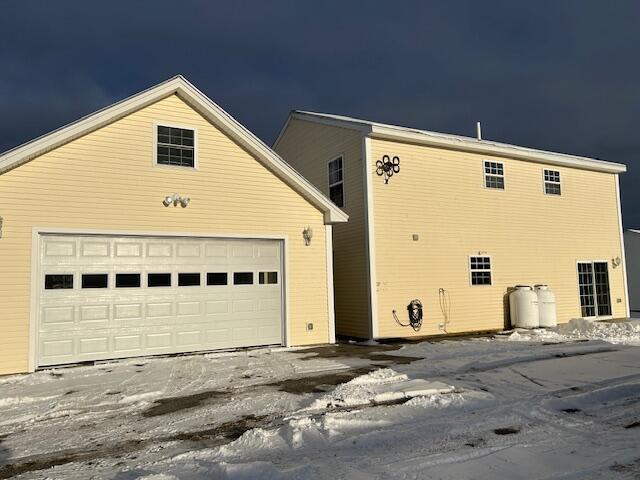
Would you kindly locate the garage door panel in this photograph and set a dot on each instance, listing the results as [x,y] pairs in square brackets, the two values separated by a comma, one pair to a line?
[127,343]
[77,324]
[95,249]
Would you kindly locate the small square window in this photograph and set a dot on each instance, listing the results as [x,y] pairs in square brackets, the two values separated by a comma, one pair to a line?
[243,278]
[127,280]
[158,280]
[58,282]
[480,268]
[494,175]
[216,278]
[188,279]
[552,182]
[95,280]
[175,146]
[268,278]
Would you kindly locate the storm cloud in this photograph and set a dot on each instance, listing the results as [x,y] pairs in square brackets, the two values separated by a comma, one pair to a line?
[558,75]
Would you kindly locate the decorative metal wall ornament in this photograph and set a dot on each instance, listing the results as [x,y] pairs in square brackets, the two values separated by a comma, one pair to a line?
[387,167]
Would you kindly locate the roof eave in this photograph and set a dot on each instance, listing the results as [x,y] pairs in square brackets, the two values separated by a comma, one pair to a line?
[386,133]
[196,99]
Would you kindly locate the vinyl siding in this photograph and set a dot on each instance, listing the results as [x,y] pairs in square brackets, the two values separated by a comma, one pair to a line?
[632,247]
[309,147]
[106,180]
[531,237]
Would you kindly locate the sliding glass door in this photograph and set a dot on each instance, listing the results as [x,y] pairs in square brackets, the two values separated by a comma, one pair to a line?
[593,284]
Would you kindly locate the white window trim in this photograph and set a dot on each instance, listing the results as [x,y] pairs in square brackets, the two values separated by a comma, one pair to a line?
[329,185]
[484,176]
[596,316]
[471,284]
[157,124]
[544,183]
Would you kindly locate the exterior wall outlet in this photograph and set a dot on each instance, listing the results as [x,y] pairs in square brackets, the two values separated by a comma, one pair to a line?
[618,300]
[309,327]
[415,237]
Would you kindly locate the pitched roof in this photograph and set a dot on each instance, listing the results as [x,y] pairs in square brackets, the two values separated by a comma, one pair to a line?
[454,142]
[206,107]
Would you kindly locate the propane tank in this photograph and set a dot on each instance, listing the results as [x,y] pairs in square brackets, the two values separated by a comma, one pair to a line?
[546,306]
[523,305]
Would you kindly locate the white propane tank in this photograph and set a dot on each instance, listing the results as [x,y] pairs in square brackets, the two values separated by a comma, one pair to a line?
[523,305]
[546,306]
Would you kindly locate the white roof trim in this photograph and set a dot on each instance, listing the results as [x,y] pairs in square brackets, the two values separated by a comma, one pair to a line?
[633,230]
[455,142]
[200,102]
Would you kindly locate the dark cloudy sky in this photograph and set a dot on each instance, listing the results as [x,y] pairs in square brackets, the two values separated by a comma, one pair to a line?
[562,75]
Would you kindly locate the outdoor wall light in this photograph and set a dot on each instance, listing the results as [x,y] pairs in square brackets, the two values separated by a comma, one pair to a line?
[176,200]
[616,262]
[307,234]
[1,224]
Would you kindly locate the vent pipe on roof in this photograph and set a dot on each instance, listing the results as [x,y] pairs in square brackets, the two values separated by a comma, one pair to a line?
[479,130]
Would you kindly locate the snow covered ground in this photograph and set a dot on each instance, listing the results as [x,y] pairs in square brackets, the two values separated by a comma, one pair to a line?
[562,404]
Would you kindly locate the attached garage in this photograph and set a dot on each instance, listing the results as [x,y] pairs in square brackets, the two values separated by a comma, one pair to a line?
[105,297]
[158,225]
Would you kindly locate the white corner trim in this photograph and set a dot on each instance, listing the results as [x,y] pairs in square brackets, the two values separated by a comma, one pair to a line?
[34,306]
[370,238]
[622,249]
[330,296]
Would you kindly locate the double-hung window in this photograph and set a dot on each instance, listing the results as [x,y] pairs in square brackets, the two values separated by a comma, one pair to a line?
[552,182]
[494,175]
[175,146]
[480,268]
[336,182]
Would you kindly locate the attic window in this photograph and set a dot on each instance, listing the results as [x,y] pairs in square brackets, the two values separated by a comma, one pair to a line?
[175,146]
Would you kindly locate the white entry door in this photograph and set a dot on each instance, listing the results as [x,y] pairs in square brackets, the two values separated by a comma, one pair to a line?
[104,297]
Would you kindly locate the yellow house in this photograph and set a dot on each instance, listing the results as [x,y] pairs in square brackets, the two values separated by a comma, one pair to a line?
[455,223]
[158,225]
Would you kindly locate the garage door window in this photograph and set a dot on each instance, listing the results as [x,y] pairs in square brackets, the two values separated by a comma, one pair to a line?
[217,278]
[127,280]
[159,280]
[188,279]
[268,278]
[56,282]
[243,278]
[95,280]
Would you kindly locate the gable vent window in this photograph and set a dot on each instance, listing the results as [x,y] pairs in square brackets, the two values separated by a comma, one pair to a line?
[480,268]
[552,182]
[494,175]
[336,182]
[176,146]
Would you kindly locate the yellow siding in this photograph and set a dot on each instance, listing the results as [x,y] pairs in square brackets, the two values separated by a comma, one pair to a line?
[106,180]
[309,147]
[532,238]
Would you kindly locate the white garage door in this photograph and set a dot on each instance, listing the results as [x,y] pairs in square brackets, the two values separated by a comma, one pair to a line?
[103,297]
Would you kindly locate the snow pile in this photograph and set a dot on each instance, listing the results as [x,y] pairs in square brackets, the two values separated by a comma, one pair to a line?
[380,386]
[627,333]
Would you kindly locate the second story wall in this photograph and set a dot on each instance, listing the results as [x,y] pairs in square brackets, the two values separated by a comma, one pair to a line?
[530,236]
[309,147]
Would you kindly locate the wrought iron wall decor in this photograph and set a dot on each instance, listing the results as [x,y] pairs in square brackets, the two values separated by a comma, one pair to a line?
[387,167]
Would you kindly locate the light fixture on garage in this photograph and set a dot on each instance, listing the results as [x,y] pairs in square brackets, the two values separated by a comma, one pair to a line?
[307,234]
[176,200]
[616,262]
